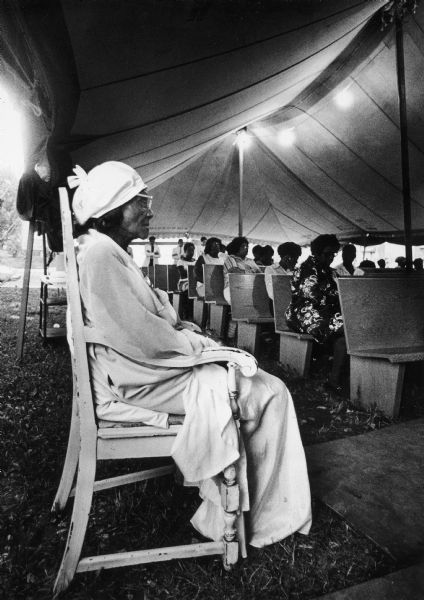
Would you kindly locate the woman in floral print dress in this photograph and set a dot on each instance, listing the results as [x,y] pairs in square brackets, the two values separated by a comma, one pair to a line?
[315,307]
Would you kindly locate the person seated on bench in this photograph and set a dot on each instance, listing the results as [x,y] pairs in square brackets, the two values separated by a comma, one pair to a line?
[381,264]
[257,252]
[418,264]
[210,256]
[367,264]
[401,263]
[187,258]
[346,268]
[315,306]
[236,262]
[289,253]
[138,332]
[267,255]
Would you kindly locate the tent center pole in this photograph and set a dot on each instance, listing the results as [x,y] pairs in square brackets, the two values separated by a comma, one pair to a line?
[406,186]
[240,206]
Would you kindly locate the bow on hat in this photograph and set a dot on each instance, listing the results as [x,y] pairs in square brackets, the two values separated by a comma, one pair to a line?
[80,177]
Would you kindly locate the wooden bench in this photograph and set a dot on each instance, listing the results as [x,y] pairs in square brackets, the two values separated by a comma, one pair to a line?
[295,348]
[384,327]
[199,305]
[249,307]
[219,309]
[149,272]
[160,277]
[172,279]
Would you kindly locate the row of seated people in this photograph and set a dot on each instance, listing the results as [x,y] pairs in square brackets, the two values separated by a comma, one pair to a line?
[315,307]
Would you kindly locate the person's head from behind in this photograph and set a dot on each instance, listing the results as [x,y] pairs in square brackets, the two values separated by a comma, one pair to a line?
[239,246]
[381,263]
[324,248]
[112,199]
[213,247]
[348,254]
[267,255]
[367,264]
[257,252]
[418,264]
[188,250]
[401,262]
[289,253]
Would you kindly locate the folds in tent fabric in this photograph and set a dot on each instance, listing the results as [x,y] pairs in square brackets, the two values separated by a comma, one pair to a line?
[163,87]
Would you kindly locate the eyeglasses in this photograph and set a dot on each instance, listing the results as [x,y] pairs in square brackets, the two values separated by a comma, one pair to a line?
[149,200]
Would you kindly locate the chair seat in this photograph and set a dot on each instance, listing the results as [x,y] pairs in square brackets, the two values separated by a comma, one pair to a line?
[137,431]
[172,420]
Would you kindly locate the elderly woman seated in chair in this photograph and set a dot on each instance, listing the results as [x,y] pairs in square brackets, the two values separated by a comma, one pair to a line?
[135,331]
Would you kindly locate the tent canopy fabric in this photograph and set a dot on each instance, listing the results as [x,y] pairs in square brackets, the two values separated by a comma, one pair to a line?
[164,86]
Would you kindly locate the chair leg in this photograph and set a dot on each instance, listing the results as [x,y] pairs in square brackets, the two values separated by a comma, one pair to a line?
[80,513]
[71,462]
[230,499]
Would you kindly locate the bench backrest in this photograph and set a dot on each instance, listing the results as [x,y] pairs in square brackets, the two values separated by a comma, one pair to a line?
[161,277]
[173,277]
[388,273]
[249,298]
[281,287]
[382,312]
[192,293]
[213,277]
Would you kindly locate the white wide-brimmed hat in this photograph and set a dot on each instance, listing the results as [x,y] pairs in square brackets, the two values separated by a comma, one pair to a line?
[104,188]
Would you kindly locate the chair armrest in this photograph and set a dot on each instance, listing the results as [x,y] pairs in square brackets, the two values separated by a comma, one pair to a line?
[245,361]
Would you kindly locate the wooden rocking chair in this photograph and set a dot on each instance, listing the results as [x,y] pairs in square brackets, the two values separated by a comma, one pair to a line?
[89,442]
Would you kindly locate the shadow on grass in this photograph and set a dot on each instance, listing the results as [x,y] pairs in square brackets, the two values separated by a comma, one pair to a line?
[34,420]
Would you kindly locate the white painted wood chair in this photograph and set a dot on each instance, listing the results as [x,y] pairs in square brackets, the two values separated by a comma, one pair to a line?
[89,442]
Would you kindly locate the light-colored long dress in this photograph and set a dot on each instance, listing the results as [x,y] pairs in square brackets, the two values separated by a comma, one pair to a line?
[133,328]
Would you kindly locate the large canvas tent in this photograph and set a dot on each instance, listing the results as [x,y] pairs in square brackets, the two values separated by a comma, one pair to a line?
[165,85]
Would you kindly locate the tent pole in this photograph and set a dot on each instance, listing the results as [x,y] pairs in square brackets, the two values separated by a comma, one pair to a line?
[25,291]
[406,186]
[240,206]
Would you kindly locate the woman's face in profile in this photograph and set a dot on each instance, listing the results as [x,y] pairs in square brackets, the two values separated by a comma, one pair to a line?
[244,249]
[136,217]
[327,256]
[214,249]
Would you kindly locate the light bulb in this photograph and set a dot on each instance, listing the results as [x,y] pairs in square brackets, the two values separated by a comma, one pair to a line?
[242,138]
[344,99]
[287,137]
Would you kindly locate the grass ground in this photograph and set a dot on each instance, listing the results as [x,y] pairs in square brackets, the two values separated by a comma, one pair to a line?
[34,418]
